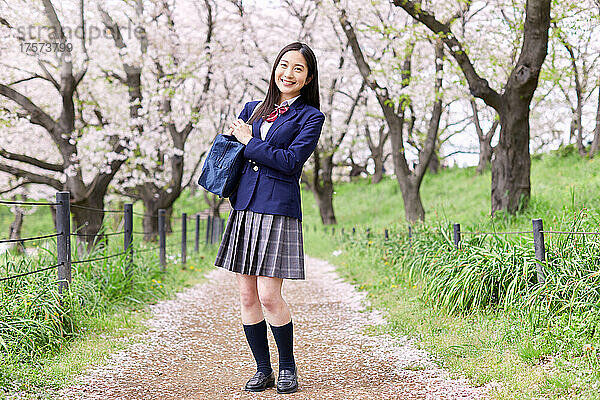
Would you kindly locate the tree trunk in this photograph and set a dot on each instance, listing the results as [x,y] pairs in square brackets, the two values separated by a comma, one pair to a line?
[325,203]
[150,221]
[169,218]
[324,196]
[434,163]
[88,222]
[485,154]
[512,163]
[596,141]
[155,199]
[14,230]
[578,116]
[413,206]
[378,174]
[377,151]
[214,203]
[485,140]
[573,127]
[321,186]
[576,123]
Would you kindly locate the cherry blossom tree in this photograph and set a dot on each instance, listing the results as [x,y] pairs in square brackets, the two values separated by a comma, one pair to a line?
[395,101]
[168,85]
[511,165]
[575,62]
[41,88]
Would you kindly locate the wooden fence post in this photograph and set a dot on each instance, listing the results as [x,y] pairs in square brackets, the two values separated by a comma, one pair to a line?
[63,240]
[218,224]
[183,239]
[197,238]
[127,236]
[540,248]
[456,235]
[214,229]
[162,240]
[209,225]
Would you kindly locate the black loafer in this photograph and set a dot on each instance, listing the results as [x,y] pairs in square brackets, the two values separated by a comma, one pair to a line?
[287,382]
[260,382]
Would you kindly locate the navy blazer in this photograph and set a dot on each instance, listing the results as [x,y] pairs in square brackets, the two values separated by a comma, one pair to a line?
[270,181]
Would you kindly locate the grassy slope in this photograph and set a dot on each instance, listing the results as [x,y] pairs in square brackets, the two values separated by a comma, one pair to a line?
[485,347]
[459,195]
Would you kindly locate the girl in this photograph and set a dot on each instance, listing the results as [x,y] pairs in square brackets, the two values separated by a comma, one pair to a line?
[262,242]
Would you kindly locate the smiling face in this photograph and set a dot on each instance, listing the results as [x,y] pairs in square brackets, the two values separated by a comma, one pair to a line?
[291,75]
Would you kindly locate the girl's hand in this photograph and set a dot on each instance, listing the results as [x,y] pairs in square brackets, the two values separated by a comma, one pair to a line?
[241,131]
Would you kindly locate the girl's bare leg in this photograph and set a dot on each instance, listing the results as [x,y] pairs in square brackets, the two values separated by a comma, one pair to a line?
[277,311]
[251,310]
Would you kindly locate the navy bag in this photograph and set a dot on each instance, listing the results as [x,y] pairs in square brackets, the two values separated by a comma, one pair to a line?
[223,166]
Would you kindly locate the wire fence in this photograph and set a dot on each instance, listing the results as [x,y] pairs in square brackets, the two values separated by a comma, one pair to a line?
[537,233]
[98,210]
[29,238]
[213,229]
[145,215]
[498,233]
[572,233]
[26,203]
[99,234]
[29,273]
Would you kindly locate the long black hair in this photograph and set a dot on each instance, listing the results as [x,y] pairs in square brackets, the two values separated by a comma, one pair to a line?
[309,92]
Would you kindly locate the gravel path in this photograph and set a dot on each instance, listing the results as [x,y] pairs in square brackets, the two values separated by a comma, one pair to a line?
[195,349]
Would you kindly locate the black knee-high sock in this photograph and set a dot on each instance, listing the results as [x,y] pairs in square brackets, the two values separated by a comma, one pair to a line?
[256,335]
[284,337]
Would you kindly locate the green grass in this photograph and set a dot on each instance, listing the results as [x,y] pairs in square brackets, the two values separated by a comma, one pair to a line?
[479,309]
[46,339]
[559,183]
[48,343]
[479,328]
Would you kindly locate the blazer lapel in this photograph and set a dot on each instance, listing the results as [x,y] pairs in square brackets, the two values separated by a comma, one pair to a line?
[256,128]
[289,114]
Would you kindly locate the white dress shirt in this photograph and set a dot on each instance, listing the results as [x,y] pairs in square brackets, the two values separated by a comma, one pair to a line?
[264,128]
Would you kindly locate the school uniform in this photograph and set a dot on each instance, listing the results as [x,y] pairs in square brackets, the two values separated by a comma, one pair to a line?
[263,235]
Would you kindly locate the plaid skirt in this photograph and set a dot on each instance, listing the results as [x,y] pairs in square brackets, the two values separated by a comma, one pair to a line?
[263,245]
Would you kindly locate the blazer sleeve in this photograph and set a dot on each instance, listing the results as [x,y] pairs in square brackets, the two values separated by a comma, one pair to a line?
[291,160]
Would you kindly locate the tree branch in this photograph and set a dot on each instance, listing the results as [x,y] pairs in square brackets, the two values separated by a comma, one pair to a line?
[31,177]
[194,171]
[32,161]
[49,76]
[38,116]
[349,117]
[434,122]
[13,188]
[478,86]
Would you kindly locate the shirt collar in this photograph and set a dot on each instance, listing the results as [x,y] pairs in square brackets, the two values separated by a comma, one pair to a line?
[290,101]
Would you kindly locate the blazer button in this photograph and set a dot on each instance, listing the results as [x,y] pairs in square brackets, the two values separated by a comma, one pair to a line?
[255,168]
